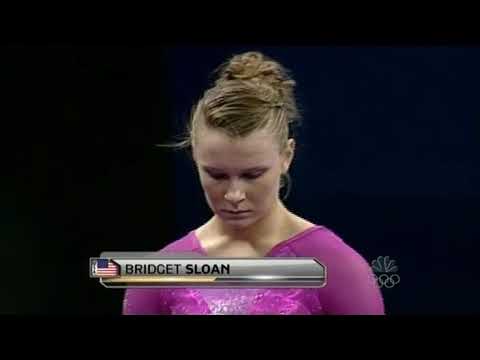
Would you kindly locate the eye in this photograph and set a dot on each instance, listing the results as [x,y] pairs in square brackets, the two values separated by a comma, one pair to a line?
[217,176]
[251,176]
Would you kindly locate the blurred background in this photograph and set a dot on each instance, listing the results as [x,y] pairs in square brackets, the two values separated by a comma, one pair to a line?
[387,158]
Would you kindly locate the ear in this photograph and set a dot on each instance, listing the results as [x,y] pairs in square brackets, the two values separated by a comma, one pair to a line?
[288,155]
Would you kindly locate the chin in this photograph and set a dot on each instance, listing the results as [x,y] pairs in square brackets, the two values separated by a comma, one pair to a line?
[239,223]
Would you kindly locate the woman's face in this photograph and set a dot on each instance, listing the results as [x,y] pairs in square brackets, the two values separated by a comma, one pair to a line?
[240,176]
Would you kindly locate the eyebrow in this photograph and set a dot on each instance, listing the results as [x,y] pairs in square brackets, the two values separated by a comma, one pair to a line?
[256,168]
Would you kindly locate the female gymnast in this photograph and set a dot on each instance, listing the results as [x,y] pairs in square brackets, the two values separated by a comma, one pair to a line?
[240,140]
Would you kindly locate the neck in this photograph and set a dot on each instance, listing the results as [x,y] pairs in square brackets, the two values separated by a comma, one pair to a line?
[262,229]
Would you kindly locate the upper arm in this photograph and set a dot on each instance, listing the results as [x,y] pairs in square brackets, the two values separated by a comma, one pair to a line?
[351,287]
[354,292]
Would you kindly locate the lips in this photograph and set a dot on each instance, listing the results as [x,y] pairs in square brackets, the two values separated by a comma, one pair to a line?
[236,212]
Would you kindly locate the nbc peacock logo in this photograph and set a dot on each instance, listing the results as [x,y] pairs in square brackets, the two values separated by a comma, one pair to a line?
[385,271]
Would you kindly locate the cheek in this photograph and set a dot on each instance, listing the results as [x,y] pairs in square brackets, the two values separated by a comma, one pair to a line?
[214,191]
[264,190]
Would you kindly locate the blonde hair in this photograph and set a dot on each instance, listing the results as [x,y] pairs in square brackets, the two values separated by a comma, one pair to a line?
[252,92]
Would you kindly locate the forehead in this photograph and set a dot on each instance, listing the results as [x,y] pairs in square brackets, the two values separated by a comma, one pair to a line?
[216,149]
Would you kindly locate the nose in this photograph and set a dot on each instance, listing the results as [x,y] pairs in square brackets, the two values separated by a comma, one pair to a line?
[235,196]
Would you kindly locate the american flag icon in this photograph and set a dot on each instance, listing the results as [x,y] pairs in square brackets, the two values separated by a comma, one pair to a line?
[104,268]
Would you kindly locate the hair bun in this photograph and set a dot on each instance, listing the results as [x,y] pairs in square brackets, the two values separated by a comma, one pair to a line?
[256,67]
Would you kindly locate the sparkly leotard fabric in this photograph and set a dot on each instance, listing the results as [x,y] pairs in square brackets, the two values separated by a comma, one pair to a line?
[351,287]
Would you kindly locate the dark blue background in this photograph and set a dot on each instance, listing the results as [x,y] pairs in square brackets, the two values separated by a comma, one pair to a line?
[387,158]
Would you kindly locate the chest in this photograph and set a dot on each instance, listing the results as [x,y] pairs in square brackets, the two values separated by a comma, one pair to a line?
[246,302]
[235,249]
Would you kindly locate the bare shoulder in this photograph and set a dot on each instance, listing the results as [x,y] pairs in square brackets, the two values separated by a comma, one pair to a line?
[201,230]
[208,240]
[300,224]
